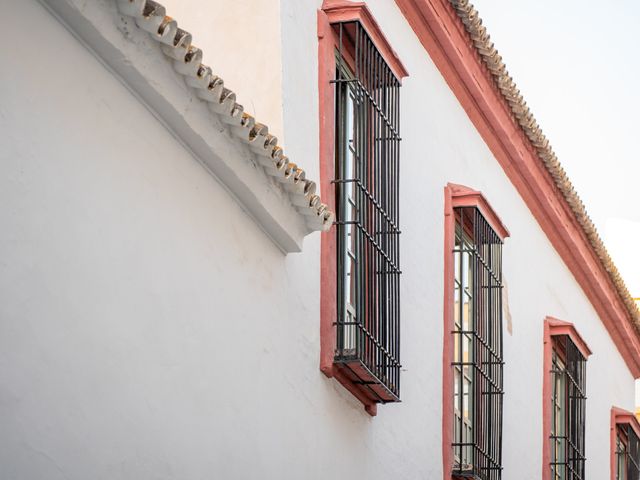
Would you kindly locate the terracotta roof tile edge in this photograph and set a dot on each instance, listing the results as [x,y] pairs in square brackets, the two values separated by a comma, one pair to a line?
[176,44]
[525,119]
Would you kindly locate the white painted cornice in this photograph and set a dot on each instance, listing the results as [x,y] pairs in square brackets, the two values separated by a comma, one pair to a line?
[156,60]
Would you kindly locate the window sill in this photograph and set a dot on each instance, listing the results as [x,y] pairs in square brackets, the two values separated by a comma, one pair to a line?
[354,375]
[465,476]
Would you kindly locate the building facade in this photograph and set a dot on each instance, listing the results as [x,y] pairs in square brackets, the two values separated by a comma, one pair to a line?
[402,284]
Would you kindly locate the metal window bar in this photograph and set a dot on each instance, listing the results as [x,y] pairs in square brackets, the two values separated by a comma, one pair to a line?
[568,411]
[478,348]
[627,454]
[367,169]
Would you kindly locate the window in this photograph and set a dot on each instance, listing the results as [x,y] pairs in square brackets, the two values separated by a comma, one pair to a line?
[564,397]
[477,347]
[627,453]
[359,92]
[367,167]
[626,445]
[568,400]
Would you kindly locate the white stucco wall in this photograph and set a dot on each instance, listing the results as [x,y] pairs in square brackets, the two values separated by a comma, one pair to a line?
[149,329]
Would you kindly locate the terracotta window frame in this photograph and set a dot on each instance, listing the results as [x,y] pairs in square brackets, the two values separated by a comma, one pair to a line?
[456,196]
[622,419]
[553,329]
[332,12]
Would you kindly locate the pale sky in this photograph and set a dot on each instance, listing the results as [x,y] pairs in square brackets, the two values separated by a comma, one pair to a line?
[577,65]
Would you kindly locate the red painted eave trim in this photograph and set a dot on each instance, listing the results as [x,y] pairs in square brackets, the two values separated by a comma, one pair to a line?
[446,41]
[344,11]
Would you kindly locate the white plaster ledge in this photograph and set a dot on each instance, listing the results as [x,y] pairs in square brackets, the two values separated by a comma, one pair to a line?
[278,202]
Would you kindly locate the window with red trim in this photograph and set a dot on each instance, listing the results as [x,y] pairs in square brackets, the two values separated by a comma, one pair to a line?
[477,347]
[367,163]
[472,375]
[627,452]
[568,401]
[360,160]
[564,401]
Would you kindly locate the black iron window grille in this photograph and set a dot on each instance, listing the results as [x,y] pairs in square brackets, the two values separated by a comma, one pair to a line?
[477,353]
[627,453]
[568,402]
[367,169]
